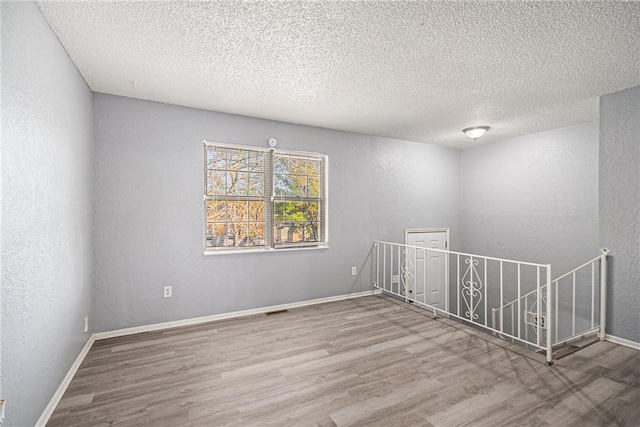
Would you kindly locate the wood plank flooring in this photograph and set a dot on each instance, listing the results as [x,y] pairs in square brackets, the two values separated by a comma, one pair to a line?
[365,361]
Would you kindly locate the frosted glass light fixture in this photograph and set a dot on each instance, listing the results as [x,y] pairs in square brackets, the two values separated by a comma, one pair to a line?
[475,132]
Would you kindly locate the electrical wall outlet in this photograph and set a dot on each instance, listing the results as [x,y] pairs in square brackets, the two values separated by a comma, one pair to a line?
[354,271]
[86,324]
[168,291]
[395,279]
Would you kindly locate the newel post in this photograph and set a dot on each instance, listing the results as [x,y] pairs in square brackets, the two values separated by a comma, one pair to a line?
[549,321]
[603,294]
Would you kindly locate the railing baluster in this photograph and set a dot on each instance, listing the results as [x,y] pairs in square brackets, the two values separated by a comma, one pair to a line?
[573,307]
[471,287]
[378,277]
[458,285]
[593,293]
[539,307]
[391,251]
[519,311]
[556,301]
[526,329]
[603,294]
[415,275]
[501,300]
[399,272]
[384,266]
[513,326]
[485,292]
[425,257]
[548,324]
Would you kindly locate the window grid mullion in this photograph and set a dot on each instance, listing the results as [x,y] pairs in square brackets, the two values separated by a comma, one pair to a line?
[268,196]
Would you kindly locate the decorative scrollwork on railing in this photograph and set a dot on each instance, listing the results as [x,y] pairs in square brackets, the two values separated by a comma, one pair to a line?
[531,317]
[471,288]
[407,272]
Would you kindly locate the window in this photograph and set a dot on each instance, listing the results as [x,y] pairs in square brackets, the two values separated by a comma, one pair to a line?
[263,198]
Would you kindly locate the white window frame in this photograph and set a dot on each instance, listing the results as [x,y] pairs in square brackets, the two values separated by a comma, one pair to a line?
[270,198]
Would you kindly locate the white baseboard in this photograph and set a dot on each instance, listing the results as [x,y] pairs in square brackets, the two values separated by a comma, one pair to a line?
[622,341]
[224,316]
[48,410]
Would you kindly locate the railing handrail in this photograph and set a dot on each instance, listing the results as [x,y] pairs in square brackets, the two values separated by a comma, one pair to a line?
[463,254]
[545,285]
[576,269]
[542,287]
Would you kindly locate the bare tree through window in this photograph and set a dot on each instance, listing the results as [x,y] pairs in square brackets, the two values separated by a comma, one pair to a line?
[263,198]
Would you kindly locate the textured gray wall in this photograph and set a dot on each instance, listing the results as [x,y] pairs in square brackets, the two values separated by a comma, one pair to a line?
[534,198]
[46,212]
[620,208]
[149,212]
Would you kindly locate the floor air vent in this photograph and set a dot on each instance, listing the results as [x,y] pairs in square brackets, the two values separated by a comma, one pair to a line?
[270,313]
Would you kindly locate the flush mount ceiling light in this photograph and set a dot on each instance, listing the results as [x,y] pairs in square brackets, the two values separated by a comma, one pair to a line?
[475,132]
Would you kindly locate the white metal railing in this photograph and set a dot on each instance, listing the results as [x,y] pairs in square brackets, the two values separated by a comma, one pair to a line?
[578,307]
[466,286]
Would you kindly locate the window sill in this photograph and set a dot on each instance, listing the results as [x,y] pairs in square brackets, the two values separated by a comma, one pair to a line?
[262,251]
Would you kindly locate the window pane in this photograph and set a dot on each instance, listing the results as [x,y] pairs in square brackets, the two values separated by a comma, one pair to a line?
[255,161]
[235,223]
[296,222]
[216,210]
[219,159]
[256,234]
[295,211]
[219,182]
[290,185]
[237,183]
[210,153]
[217,235]
[234,211]
[313,167]
[297,176]
[298,165]
[313,186]
[209,183]
[298,186]
[238,211]
[255,186]
[237,233]
[281,185]
[237,160]
[296,232]
[209,230]
[280,164]
[256,211]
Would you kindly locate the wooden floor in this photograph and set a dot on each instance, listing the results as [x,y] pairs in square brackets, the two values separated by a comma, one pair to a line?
[365,361]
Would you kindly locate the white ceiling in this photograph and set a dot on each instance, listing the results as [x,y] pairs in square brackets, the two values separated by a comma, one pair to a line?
[418,71]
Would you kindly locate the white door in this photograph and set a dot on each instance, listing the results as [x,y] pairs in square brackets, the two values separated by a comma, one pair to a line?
[428,282]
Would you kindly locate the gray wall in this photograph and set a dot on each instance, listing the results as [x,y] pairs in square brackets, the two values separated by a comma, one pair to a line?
[149,212]
[46,212]
[534,198]
[620,208]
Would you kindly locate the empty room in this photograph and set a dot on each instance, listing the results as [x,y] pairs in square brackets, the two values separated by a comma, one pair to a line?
[329,213]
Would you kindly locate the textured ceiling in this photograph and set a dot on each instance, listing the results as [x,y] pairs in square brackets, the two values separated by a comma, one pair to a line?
[418,71]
